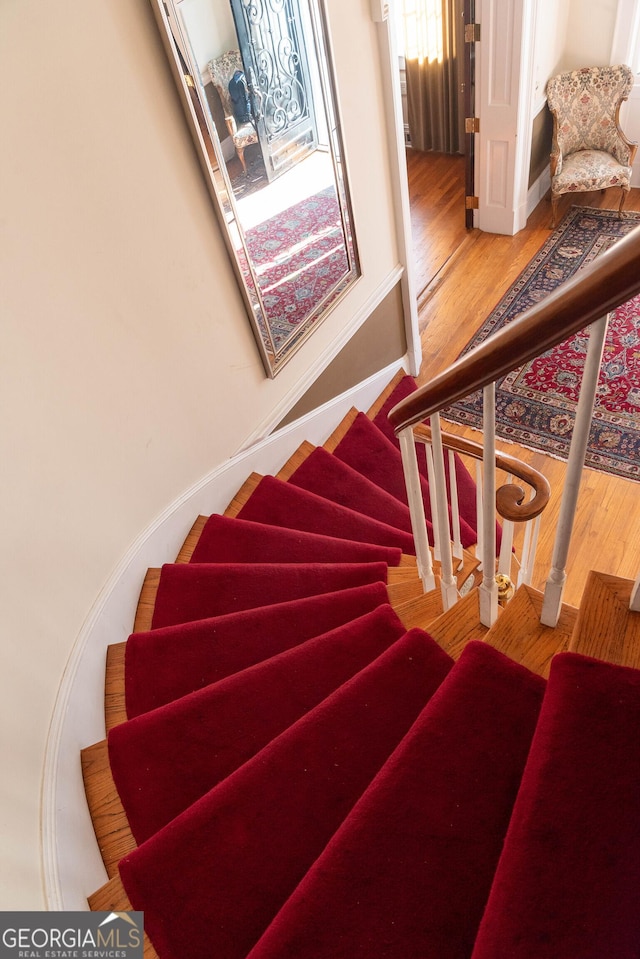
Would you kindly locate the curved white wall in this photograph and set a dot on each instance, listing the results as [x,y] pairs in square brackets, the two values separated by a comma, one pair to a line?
[128,370]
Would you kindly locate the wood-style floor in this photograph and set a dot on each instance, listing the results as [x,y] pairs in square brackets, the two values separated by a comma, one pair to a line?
[461,277]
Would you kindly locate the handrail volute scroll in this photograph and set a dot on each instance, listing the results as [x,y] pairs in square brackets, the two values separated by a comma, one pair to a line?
[509,497]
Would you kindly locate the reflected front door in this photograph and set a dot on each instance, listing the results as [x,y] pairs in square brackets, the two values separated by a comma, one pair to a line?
[273,48]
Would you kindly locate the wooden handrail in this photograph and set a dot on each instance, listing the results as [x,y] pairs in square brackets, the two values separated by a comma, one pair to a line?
[509,497]
[596,289]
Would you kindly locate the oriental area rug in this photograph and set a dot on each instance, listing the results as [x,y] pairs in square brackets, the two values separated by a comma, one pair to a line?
[535,404]
[299,258]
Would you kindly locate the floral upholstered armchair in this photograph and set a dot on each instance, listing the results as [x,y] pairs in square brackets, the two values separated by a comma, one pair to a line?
[221,70]
[589,150]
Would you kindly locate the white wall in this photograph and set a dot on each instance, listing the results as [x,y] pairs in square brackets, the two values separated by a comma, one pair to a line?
[552,21]
[127,369]
[590,33]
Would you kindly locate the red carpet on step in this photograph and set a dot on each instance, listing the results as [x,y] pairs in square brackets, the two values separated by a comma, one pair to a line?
[367,450]
[281,504]
[568,880]
[164,664]
[225,539]
[197,741]
[189,591]
[210,882]
[328,476]
[408,874]
[466,483]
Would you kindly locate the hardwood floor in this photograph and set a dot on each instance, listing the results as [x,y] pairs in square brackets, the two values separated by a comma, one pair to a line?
[462,275]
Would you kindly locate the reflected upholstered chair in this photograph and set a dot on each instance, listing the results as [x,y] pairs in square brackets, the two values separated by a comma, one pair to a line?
[221,70]
[589,150]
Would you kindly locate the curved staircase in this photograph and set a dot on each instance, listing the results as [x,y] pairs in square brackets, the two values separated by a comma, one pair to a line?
[306,757]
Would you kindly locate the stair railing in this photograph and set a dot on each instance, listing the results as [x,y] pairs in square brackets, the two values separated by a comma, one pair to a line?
[585,299]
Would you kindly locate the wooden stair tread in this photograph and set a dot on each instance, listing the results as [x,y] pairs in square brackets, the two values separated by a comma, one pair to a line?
[605,627]
[190,543]
[453,628]
[521,636]
[240,499]
[420,611]
[115,711]
[340,431]
[295,460]
[404,591]
[147,601]
[112,898]
[109,819]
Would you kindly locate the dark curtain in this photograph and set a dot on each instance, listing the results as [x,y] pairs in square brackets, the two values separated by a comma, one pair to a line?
[433,43]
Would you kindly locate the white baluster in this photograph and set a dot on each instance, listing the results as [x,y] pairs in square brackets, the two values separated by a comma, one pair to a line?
[634,605]
[431,475]
[479,511]
[529,547]
[488,589]
[455,507]
[416,508]
[554,587]
[506,543]
[448,583]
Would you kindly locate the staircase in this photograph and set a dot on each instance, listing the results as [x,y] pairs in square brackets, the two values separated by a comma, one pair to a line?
[306,757]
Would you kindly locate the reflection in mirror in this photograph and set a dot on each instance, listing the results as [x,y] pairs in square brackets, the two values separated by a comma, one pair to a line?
[258,86]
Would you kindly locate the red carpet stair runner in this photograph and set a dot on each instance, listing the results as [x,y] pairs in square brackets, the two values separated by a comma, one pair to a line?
[296,768]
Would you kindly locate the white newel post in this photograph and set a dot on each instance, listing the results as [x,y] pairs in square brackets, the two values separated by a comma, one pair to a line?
[554,586]
[416,508]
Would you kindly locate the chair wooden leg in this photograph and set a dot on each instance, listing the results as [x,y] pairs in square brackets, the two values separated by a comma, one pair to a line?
[623,197]
[554,210]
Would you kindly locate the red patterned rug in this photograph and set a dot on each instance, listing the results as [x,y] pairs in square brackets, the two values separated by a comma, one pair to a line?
[535,405]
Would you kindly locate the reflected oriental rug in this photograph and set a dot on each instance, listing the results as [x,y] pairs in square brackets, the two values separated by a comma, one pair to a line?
[535,405]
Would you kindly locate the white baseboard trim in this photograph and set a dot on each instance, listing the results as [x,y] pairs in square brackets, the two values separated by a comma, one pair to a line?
[71,865]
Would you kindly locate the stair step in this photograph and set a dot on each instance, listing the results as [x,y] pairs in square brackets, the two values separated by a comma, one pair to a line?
[112,898]
[243,495]
[110,823]
[568,877]
[190,543]
[453,629]
[341,430]
[147,601]
[327,476]
[411,866]
[188,592]
[246,844]
[520,635]
[196,741]
[606,628]
[225,539]
[165,664]
[390,390]
[281,504]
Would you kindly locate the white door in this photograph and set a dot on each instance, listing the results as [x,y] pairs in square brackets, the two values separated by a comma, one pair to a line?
[503,104]
[626,49]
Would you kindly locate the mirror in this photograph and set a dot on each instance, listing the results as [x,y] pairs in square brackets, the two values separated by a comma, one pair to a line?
[258,88]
